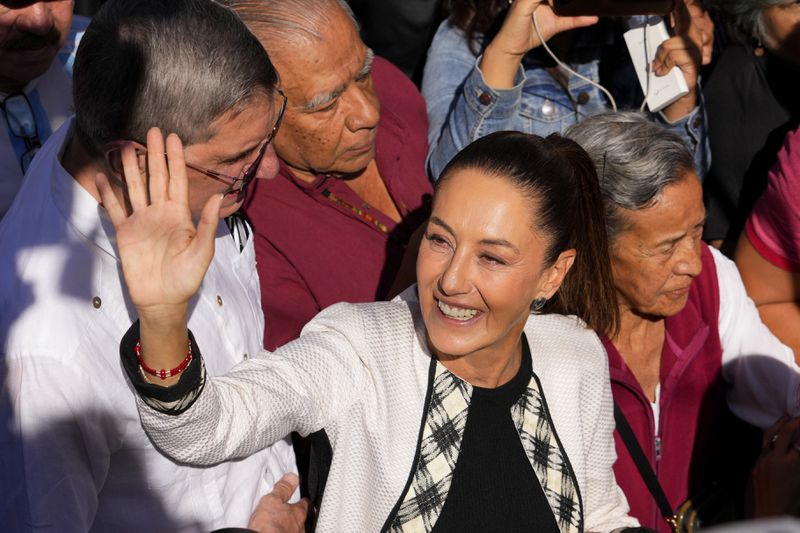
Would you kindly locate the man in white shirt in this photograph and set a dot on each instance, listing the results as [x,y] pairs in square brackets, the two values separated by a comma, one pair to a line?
[37,47]
[73,455]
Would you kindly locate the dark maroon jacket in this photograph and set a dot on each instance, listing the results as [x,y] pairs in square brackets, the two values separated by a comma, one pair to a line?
[698,444]
[313,252]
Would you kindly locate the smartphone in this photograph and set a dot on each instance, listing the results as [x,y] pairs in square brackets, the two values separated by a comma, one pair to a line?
[612,8]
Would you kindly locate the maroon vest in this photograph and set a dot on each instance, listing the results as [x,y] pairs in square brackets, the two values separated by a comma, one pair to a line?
[695,423]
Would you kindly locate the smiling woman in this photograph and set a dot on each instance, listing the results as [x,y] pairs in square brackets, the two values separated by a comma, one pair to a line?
[438,404]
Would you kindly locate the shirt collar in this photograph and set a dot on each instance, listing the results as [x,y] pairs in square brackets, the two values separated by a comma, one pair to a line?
[75,204]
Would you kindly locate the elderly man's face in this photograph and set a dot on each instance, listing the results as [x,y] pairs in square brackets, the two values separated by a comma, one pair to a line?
[331,122]
[656,258]
[31,34]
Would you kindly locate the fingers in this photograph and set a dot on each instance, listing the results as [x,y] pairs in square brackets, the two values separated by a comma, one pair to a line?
[203,245]
[677,52]
[134,177]
[570,23]
[115,211]
[285,487]
[178,183]
[158,176]
[303,506]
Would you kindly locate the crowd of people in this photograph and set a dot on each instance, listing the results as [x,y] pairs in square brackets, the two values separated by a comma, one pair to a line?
[252,276]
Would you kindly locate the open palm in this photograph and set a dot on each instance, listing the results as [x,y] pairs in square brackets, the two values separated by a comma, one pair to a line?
[517,35]
[164,256]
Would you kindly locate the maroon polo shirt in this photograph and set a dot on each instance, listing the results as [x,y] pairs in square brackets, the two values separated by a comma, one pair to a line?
[318,243]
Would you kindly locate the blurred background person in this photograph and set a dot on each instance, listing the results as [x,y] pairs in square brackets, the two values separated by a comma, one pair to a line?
[768,254]
[752,103]
[399,30]
[37,49]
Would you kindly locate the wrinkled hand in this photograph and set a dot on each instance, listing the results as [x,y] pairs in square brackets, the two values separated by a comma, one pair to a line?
[164,256]
[518,36]
[775,481]
[274,514]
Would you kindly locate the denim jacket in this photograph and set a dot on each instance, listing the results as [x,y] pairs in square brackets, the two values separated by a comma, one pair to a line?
[462,107]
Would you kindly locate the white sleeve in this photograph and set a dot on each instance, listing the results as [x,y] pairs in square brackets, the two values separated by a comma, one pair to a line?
[56,442]
[304,386]
[606,508]
[763,376]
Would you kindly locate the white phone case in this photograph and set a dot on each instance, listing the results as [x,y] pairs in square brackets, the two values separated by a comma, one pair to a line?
[643,42]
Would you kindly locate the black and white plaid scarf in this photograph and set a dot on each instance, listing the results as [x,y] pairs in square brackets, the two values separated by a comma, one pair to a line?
[440,444]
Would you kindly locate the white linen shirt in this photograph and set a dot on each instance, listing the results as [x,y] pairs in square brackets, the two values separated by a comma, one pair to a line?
[73,455]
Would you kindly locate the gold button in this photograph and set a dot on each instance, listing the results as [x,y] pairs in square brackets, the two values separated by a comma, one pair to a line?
[583,98]
[219,300]
[97,302]
[485,98]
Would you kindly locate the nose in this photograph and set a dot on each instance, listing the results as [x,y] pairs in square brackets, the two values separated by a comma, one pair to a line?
[455,277]
[689,261]
[364,110]
[35,18]
[270,165]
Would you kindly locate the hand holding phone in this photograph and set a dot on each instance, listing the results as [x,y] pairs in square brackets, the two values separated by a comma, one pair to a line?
[517,37]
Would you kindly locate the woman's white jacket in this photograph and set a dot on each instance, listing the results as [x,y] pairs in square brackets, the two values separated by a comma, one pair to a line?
[395,417]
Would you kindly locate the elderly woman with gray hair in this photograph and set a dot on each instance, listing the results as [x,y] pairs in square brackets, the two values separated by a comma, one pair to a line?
[688,334]
[751,102]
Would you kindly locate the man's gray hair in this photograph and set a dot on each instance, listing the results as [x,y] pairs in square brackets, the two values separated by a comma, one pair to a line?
[635,159]
[293,21]
[178,65]
[745,16]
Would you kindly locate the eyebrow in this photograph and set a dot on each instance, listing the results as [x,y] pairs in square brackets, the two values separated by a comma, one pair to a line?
[239,156]
[672,240]
[325,98]
[489,242]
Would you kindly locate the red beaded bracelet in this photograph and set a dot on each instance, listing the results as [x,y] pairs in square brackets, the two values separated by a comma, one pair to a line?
[163,374]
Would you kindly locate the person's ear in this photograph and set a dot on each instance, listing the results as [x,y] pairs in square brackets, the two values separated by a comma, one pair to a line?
[113,159]
[555,274]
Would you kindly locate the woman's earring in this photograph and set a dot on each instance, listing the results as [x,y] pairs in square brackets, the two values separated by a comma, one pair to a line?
[538,304]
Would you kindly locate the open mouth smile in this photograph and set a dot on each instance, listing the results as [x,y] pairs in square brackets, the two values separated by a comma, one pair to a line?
[457,313]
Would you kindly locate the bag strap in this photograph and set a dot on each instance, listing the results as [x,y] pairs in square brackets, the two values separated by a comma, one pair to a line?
[643,465]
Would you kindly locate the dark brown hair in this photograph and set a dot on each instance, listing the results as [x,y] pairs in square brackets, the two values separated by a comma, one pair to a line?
[476,18]
[561,181]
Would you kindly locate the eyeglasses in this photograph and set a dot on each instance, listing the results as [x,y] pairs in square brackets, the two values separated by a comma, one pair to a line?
[248,172]
[21,120]
[236,184]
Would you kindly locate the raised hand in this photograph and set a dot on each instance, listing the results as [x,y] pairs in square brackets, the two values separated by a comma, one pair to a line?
[164,255]
[518,36]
